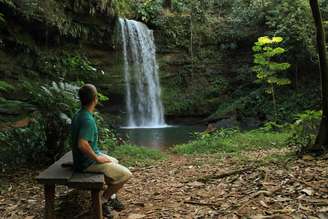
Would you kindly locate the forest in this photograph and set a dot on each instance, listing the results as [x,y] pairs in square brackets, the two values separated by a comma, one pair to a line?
[219,108]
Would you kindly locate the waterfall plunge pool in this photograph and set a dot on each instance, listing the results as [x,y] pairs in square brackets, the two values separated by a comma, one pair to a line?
[160,138]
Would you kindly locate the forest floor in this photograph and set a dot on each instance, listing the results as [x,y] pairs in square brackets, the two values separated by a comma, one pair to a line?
[255,184]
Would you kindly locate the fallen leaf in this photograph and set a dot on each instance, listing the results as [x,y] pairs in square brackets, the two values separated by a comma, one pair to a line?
[196,184]
[308,191]
[264,204]
[136,216]
[308,158]
[12,207]
[323,209]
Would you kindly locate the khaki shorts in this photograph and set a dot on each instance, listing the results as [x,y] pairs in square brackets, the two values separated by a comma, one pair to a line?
[113,170]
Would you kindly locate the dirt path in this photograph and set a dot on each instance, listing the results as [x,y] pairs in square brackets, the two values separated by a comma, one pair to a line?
[194,187]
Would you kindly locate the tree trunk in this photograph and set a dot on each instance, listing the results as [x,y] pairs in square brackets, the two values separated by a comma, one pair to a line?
[191,47]
[322,137]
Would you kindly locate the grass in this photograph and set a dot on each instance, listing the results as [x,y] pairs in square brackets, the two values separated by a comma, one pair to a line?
[232,141]
[131,155]
[220,143]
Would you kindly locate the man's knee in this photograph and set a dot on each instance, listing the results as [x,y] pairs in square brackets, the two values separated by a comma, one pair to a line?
[127,175]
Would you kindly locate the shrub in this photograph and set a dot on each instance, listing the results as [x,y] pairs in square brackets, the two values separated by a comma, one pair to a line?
[148,10]
[304,129]
[24,145]
[108,137]
[57,104]
[5,87]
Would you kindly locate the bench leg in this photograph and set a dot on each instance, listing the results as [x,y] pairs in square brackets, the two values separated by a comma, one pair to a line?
[49,193]
[96,204]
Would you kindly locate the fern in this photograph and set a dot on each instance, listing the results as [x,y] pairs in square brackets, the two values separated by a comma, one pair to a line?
[4,86]
[2,19]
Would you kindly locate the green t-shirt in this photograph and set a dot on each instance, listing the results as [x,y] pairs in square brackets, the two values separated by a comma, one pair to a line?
[83,127]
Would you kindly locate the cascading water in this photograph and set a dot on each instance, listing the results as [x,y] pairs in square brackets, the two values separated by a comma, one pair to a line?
[143,103]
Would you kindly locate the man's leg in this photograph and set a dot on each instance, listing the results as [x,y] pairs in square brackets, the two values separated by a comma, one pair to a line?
[112,188]
[116,176]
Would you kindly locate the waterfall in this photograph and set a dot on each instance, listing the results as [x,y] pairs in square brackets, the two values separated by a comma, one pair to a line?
[142,87]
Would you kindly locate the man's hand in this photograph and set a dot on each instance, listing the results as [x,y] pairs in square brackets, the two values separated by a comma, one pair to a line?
[103,159]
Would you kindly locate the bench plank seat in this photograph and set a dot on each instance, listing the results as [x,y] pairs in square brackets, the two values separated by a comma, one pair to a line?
[59,174]
[55,174]
[87,181]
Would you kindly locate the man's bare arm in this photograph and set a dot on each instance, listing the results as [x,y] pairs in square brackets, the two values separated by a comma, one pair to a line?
[85,147]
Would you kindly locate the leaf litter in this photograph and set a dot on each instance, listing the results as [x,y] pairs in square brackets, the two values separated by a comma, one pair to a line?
[192,187]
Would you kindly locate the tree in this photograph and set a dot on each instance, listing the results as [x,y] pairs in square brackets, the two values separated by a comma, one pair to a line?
[321,142]
[266,52]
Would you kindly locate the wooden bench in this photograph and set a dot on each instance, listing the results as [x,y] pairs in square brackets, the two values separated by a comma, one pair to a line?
[59,174]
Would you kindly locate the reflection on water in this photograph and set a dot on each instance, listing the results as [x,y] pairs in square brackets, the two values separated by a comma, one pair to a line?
[161,138]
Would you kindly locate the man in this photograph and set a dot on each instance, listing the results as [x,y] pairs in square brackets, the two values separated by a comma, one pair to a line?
[86,154]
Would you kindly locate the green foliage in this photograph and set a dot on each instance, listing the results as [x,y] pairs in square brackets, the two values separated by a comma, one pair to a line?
[108,137]
[144,10]
[123,8]
[148,10]
[5,86]
[266,68]
[266,51]
[304,129]
[57,15]
[24,145]
[248,13]
[93,6]
[136,156]
[272,126]
[2,18]
[194,99]
[292,19]
[57,104]
[59,97]
[102,98]
[232,141]
[66,66]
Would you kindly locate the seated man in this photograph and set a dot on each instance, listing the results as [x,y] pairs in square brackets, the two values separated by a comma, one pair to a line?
[86,154]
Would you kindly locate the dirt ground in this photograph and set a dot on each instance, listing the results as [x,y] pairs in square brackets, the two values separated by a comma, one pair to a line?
[192,187]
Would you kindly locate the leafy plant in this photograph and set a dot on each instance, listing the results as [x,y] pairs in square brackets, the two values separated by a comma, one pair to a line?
[5,86]
[74,67]
[292,20]
[108,137]
[57,104]
[148,10]
[24,145]
[266,52]
[304,129]
[123,8]
[2,18]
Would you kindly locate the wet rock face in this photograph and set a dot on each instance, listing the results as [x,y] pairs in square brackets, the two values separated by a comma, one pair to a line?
[34,32]
[54,22]
[40,41]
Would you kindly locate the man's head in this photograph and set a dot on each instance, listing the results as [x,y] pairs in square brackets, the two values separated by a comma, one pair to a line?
[88,95]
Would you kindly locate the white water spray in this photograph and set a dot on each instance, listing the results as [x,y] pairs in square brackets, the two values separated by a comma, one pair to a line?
[143,103]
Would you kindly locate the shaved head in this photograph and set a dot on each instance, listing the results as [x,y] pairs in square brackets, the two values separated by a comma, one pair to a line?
[87,94]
